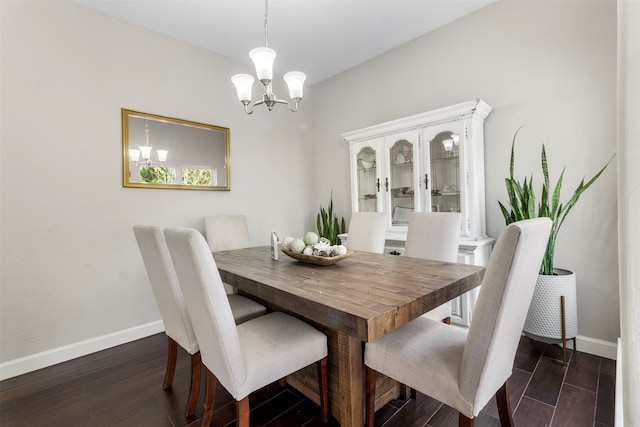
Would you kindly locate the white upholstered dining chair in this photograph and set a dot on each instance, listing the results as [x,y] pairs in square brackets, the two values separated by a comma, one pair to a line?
[465,368]
[225,233]
[177,324]
[246,357]
[434,236]
[367,232]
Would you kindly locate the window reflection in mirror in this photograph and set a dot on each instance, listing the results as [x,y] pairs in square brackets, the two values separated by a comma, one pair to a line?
[165,152]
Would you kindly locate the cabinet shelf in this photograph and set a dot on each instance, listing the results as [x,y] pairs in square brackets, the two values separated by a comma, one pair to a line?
[457,193]
[445,159]
[402,165]
[367,170]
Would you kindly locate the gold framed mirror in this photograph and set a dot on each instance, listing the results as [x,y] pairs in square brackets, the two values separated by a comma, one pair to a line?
[165,152]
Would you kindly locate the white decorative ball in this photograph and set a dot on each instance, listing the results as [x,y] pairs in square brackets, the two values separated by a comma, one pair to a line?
[286,243]
[310,238]
[296,246]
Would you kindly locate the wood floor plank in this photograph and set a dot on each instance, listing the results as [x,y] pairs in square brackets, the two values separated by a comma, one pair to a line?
[583,371]
[554,351]
[605,402]
[415,412]
[528,354]
[576,407]
[546,381]
[448,417]
[532,413]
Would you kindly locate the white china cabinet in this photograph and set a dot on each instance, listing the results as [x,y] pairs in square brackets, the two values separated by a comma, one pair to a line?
[429,162]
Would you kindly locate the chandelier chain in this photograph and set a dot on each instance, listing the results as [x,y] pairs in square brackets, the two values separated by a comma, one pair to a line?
[266,25]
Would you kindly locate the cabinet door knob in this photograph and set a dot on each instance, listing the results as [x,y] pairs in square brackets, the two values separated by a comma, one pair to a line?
[426,181]
[386,184]
[378,184]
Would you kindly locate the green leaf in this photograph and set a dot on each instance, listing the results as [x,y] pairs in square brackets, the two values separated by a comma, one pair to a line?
[522,201]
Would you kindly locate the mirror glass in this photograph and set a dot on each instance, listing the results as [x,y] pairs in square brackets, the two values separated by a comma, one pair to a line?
[165,152]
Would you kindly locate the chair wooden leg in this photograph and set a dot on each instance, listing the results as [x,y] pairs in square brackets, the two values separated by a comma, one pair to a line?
[370,400]
[504,407]
[447,320]
[324,389]
[465,422]
[209,398]
[194,389]
[242,412]
[172,356]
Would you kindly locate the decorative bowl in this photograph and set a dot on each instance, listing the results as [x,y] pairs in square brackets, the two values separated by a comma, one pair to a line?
[317,260]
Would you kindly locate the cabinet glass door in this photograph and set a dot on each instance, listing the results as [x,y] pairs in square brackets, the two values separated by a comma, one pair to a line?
[368,184]
[444,159]
[400,182]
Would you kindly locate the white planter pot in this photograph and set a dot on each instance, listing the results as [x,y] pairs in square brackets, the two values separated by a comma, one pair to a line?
[544,318]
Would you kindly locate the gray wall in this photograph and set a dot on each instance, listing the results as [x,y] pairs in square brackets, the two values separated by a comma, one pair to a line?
[550,66]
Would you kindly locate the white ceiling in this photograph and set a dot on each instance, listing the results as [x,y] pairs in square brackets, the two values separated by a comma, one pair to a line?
[319,37]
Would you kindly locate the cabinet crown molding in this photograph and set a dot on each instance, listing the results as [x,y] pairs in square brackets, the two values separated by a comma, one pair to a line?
[476,108]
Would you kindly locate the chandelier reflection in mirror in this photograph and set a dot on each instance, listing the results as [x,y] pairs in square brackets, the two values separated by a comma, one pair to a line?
[145,151]
[262,58]
[149,170]
[449,143]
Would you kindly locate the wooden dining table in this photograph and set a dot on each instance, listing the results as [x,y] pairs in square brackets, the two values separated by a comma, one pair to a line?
[356,300]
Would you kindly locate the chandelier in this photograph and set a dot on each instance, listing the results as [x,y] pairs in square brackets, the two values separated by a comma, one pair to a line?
[262,58]
[145,151]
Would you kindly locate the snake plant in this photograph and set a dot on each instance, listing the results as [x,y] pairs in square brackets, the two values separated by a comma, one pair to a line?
[522,202]
[328,224]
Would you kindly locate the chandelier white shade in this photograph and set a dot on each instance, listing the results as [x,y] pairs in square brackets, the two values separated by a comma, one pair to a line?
[243,84]
[263,58]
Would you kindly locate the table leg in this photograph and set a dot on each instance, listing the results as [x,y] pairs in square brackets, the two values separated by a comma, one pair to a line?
[351,381]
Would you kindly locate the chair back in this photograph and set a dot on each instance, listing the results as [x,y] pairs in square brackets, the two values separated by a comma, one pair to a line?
[433,235]
[208,306]
[501,308]
[226,232]
[367,232]
[165,286]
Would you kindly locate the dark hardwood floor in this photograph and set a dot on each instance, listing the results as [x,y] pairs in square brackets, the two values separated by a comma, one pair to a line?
[122,386]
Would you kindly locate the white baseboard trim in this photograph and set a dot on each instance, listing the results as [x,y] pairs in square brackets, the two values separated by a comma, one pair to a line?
[596,347]
[57,355]
[589,345]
